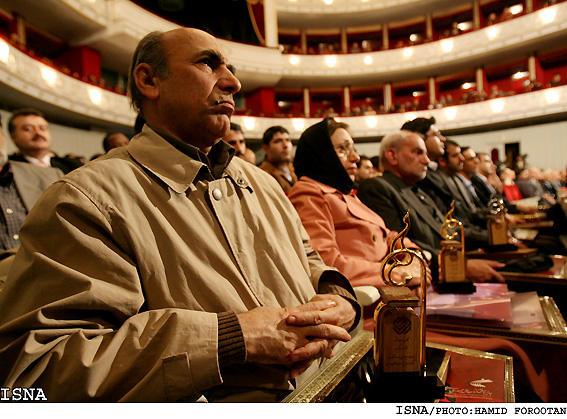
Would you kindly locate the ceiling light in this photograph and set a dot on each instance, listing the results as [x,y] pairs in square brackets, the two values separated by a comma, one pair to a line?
[497,105]
[298,124]
[520,75]
[418,93]
[368,60]
[49,75]
[517,8]
[467,85]
[294,60]
[371,121]
[408,52]
[249,123]
[465,26]
[447,45]
[413,37]
[4,52]
[328,2]
[492,32]
[548,14]
[450,113]
[331,61]
[96,95]
[551,96]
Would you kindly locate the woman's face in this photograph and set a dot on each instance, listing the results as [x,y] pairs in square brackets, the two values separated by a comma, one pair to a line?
[344,146]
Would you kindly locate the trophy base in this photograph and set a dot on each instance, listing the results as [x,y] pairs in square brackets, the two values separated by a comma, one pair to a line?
[394,388]
[455,288]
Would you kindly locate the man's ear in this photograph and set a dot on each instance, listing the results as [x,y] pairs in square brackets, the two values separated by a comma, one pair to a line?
[146,81]
[392,156]
[265,148]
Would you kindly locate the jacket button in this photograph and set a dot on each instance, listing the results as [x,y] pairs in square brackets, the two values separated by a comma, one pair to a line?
[217,194]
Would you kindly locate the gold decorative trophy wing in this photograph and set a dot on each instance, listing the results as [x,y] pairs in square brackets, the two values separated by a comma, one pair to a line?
[399,333]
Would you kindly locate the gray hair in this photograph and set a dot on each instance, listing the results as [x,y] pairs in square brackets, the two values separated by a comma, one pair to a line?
[393,140]
[151,51]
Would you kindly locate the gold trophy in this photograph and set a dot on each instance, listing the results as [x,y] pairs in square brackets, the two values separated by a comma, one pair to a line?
[399,332]
[452,262]
[497,226]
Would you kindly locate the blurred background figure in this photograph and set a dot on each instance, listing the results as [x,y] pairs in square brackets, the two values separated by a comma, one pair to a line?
[113,140]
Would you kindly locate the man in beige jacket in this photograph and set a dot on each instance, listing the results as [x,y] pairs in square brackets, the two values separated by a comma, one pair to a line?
[167,270]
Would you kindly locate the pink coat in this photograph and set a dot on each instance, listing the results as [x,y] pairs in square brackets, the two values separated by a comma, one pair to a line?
[347,234]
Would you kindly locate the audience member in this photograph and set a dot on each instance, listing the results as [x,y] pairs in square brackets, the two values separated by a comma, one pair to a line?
[345,232]
[21,184]
[114,140]
[485,181]
[509,187]
[142,280]
[529,184]
[278,148]
[250,156]
[556,80]
[404,158]
[366,170]
[435,182]
[495,92]
[235,138]
[469,169]
[30,133]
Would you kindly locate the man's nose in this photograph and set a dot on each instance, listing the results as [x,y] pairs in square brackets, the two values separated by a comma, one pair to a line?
[229,82]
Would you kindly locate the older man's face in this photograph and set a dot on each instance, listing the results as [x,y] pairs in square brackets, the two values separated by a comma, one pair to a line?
[412,159]
[195,101]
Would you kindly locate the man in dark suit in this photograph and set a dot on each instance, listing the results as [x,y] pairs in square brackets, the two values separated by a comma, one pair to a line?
[434,183]
[30,133]
[484,189]
[404,158]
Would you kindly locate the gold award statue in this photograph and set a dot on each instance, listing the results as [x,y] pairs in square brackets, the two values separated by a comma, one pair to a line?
[400,373]
[452,262]
[497,226]
[399,332]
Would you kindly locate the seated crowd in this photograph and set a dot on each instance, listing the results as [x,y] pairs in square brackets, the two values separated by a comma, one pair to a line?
[175,269]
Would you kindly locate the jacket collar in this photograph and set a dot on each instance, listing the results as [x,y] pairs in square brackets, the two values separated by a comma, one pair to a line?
[175,168]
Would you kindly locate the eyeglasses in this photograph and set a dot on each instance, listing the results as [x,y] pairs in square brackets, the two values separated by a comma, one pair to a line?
[346,149]
[435,134]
